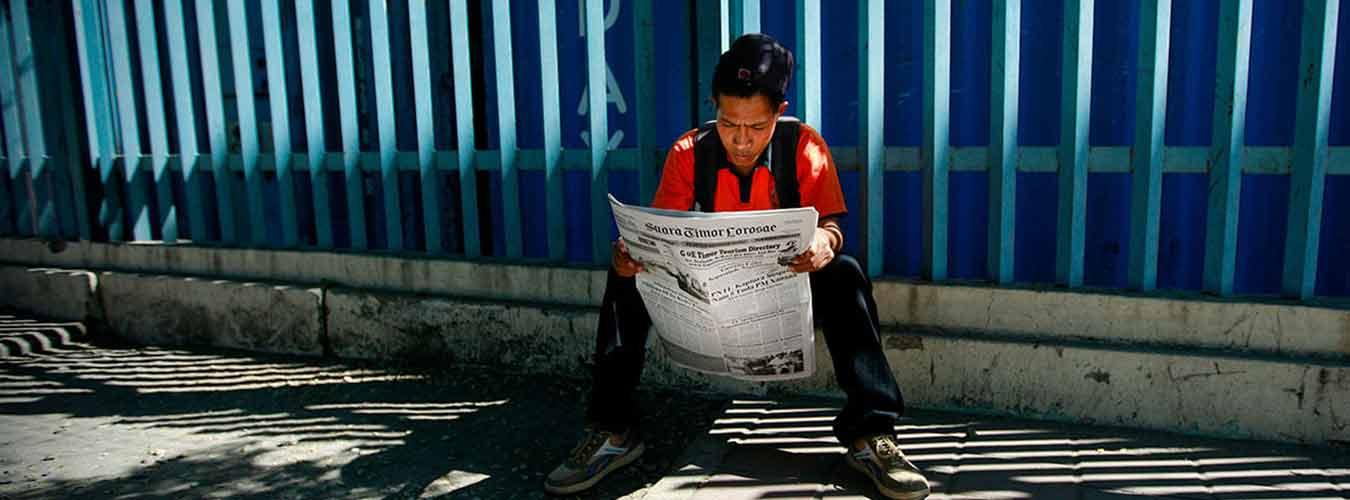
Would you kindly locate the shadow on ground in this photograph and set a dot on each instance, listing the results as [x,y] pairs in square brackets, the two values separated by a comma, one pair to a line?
[107,421]
[110,421]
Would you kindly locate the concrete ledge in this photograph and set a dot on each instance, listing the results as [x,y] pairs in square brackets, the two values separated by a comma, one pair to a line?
[1222,396]
[374,271]
[1278,329]
[166,310]
[58,294]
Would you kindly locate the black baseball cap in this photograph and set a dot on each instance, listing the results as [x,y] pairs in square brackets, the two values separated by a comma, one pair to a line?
[755,63]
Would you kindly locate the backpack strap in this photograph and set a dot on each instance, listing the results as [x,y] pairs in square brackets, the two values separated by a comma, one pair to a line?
[710,156]
[783,162]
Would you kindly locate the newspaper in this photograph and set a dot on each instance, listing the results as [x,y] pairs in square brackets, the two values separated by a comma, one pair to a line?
[718,289]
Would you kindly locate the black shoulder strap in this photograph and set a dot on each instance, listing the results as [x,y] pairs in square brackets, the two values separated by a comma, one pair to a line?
[783,162]
[709,155]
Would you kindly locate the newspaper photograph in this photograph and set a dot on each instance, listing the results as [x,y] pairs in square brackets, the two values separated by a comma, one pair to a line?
[718,289]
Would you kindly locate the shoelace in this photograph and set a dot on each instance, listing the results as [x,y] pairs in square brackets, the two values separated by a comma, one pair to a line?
[594,440]
[888,451]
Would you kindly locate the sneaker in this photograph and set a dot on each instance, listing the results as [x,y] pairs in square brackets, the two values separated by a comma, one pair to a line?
[590,461]
[880,459]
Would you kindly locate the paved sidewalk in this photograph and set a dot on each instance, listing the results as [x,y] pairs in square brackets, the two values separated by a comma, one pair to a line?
[78,420]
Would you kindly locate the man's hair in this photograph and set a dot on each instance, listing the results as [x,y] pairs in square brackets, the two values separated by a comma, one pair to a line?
[755,64]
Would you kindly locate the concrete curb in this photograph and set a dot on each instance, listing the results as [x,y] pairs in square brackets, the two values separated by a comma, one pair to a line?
[1267,371]
[59,294]
[169,310]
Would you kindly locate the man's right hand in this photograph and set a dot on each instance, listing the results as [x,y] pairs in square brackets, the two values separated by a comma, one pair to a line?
[622,262]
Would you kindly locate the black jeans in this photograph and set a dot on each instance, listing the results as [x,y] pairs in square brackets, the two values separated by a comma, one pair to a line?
[843,307]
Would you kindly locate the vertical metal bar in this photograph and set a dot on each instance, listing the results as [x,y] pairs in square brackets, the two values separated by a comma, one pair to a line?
[1073,145]
[309,83]
[351,146]
[552,114]
[281,123]
[384,117]
[749,16]
[151,85]
[735,18]
[214,101]
[506,125]
[130,129]
[710,41]
[933,151]
[185,118]
[1149,123]
[98,122]
[242,58]
[808,61]
[426,137]
[743,17]
[1309,169]
[464,134]
[644,35]
[42,204]
[1004,69]
[1230,124]
[72,200]
[14,147]
[599,128]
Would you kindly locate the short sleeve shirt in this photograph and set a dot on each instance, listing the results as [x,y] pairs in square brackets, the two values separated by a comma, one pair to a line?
[817,180]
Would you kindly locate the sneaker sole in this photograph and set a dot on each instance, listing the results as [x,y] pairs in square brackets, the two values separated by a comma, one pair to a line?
[618,463]
[889,493]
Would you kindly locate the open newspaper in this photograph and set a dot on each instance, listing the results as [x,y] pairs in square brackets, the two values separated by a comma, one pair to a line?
[718,290]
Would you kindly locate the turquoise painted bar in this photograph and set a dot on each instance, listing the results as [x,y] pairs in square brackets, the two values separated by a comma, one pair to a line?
[307,43]
[242,59]
[506,126]
[129,127]
[98,117]
[934,146]
[152,89]
[185,120]
[1308,179]
[808,61]
[382,67]
[1073,144]
[871,105]
[351,147]
[1226,152]
[14,147]
[428,174]
[214,100]
[1149,123]
[1004,71]
[280,113]
[41,175]
[552,126]
[42,203]
[710,40]
[599,129]
[464,138]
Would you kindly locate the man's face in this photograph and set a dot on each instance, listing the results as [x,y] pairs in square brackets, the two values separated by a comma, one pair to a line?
[746,125]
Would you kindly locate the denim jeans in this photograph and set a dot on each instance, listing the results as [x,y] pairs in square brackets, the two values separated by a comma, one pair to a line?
[843,307]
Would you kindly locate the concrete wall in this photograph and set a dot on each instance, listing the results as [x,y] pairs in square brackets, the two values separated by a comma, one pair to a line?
[1238,369]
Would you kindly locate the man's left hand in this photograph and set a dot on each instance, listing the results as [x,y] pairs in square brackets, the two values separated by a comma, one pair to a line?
[817,256]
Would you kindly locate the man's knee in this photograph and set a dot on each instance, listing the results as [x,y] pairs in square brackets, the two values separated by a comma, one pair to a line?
[842,274]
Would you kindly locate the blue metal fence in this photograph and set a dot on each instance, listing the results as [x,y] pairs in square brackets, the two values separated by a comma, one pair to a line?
[1171,149]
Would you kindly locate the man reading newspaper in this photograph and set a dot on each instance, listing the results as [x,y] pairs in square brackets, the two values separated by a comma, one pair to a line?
[751,158]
